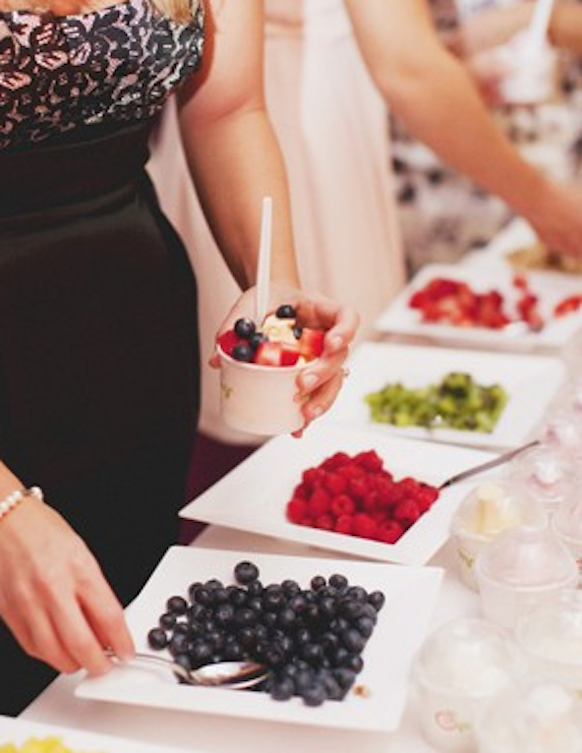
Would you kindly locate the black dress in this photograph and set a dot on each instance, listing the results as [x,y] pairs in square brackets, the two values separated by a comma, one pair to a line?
[98,330]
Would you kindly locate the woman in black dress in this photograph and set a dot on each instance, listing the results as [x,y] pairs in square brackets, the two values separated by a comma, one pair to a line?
[98,329]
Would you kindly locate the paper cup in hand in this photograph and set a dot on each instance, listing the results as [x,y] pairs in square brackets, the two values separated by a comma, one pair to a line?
[259,399]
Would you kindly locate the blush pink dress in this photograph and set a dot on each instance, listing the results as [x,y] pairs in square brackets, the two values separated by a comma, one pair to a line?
[332,126]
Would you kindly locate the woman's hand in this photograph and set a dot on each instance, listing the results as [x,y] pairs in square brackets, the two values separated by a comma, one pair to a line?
[53,595]
[320,381]
[557,219]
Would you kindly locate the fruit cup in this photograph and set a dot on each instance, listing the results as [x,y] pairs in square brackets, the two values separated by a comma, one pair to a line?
[259,367]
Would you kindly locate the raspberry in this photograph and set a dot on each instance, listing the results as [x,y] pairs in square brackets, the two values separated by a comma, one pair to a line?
[313,476]
[351,472]
[365,526]
[390,531]
[335,483]
[344,524]
[302,490]
[426,496]
[319,502]
[369,460]
[341,504]
[371,501]
[325,522]
[296,509]
[407,512]
[357,487]
[336,461]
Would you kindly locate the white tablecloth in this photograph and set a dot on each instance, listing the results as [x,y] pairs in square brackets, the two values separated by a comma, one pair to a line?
[197,732]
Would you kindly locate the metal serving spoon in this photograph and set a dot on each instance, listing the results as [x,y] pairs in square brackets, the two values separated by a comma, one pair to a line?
[236,675]
[505,458]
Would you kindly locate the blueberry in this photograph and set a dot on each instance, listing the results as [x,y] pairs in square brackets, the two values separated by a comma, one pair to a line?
[243,352]
[283,689]
[244,328]
[315,695]
[157,638]
[246,572]
[338,581]
[297,331]
[167,620]
[177,605]
[286,311]
[256,339]
[377,599]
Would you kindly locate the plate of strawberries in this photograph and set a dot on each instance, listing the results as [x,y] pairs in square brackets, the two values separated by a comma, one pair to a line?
[502,308]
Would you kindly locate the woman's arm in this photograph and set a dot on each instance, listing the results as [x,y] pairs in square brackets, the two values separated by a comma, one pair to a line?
[235,161]
[495,26]
[230,146]
[428,89]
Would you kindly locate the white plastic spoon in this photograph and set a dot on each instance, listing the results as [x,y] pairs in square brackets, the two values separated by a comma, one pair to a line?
[264,262]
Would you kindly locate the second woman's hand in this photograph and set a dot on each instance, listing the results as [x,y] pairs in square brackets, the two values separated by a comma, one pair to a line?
[53,595]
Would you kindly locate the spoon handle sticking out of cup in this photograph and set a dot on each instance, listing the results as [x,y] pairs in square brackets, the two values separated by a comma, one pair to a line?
[505,458]
[264,261]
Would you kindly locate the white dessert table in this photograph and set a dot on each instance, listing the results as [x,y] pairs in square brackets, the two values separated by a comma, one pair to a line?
[197,732]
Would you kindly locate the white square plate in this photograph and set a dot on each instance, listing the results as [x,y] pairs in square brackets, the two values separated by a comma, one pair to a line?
[402,625]
[401,319]
[19,731]
[253,496]
[530,381]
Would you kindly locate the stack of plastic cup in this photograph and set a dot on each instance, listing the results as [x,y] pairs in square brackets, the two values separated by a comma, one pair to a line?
[548,474]
[488,510]
[518,569]
[460,667]
[550,637]
[531,718]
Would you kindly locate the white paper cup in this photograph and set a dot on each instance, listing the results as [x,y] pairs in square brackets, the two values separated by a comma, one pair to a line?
[259,399]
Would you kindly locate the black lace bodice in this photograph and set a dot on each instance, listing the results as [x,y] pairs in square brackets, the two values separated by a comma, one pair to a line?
[112,66]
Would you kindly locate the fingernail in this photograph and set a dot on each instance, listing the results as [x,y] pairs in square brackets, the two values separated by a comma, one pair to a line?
[316,411]
[337,342]
[308,381]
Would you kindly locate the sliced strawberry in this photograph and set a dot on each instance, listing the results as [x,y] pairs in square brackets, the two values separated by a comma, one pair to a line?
[289,355]
[268,354]
[228,340]
[568,305]
[311,343]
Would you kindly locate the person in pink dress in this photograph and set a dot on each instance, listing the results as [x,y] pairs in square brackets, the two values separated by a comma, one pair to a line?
[334,70]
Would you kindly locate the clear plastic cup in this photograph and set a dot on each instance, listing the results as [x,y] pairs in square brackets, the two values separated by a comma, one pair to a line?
[259,399]
[459,667]
[518,569]
[531,718]
[550,636]
[563,431]
[488,510]
[546,473]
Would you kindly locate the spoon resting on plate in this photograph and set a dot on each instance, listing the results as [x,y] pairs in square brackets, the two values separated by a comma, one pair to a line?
[236,675]
[500,460]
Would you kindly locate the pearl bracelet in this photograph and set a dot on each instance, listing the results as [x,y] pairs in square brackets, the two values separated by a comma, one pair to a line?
[18,496]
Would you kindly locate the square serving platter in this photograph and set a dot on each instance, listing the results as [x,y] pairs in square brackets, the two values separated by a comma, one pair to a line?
[411,593]
[531,382]
[253,496]
[399,318]
[18,731]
